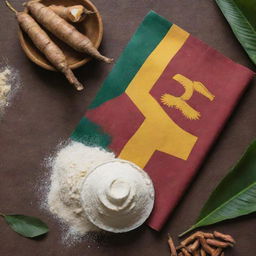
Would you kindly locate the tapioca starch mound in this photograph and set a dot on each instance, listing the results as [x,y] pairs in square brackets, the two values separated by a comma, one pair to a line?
[9,83]
[69,166]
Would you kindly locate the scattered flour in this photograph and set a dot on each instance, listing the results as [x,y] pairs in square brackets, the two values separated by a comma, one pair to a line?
[69,167]
[8,85]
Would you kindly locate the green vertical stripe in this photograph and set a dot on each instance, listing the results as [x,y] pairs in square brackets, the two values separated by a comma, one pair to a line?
[144,41]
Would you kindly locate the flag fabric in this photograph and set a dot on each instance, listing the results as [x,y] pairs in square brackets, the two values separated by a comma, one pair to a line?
[162,106]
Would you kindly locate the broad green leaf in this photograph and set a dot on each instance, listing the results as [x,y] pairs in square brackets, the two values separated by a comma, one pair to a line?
[26,226]
[241,15]
[235,195]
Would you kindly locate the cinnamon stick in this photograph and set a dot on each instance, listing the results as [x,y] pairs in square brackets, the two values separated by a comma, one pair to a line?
[194,246]
[217,243]
[202,252]
[185,252]
[196,252]
[205,246]
[217,252]
[192,238]
[224,237]
[172,246]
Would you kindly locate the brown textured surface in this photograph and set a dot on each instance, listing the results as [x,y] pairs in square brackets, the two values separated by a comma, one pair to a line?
[46,110]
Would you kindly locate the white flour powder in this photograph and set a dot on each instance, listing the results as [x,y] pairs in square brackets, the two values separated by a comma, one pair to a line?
[117,196]
[8,85]
[69,167]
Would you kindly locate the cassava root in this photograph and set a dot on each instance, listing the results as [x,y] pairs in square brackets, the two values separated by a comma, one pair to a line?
[74,14]
[63,30]
[43,42]
[202,244]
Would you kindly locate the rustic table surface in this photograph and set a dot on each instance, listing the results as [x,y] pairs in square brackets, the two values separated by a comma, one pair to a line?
[46,110]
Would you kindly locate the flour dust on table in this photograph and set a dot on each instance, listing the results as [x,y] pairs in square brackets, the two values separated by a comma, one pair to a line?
[9,83]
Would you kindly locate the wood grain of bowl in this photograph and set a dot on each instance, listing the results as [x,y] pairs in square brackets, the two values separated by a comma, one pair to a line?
[91,26]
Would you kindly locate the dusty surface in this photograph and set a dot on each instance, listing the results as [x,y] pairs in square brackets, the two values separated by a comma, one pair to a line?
[47,109]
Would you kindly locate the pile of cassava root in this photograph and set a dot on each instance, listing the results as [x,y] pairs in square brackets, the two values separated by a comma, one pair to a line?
[202,244]
[55,19]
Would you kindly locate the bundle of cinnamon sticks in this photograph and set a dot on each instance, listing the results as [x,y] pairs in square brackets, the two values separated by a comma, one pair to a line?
[202,244]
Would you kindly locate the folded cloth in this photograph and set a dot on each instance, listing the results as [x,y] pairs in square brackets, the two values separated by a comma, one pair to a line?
[162,106]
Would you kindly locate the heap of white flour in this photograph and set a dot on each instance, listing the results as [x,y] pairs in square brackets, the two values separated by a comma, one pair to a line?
[8,85]
[69,167]
[5,88]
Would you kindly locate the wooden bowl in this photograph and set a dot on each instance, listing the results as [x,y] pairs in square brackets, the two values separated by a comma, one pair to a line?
[91,26]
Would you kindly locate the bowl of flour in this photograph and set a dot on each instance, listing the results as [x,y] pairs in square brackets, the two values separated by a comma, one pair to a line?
[91,190]
[117,196]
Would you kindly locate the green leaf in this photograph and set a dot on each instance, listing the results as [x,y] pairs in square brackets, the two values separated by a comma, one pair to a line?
[235,195]
[241,15]
[26,226]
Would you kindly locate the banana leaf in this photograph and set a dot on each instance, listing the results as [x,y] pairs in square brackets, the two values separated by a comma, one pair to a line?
[235,195]
[241,15]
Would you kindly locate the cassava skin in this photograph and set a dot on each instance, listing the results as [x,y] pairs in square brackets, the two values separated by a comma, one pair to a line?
[63,30]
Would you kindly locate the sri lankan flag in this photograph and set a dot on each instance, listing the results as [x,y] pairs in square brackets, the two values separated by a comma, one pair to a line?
[162,106]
